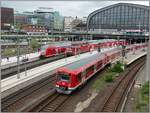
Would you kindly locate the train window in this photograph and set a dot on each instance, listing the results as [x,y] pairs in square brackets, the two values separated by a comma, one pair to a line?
[100,63]
[53,51]
[64,77]
[43,48]
[79,77]
[91,68]
[84,73]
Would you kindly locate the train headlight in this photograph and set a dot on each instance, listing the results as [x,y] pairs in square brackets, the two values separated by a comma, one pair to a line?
[57,85]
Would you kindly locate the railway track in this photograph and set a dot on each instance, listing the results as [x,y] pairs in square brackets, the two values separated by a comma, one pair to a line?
[117,93]
[42,97]
[54,101]
[19,101]
[7,72]
[51,103]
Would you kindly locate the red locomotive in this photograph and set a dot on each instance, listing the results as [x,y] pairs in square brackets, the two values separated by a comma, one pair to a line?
[73,75]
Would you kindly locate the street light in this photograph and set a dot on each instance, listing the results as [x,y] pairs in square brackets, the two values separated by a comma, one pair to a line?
[25,59]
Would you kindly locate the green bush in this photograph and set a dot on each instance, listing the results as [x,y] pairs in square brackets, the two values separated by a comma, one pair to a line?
[117,67]
[109,77]
[143,98]
[145,88]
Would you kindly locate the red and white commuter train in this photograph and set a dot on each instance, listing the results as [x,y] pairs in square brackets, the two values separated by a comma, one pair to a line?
[76,47]
[73,75]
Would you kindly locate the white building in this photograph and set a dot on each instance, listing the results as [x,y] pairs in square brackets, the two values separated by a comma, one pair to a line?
[45,10]
[84,20]
[67,23]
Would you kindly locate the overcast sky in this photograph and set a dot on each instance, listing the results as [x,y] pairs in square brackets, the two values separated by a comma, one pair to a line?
[66,8]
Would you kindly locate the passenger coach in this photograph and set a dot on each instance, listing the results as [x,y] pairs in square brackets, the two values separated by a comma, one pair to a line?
[75,74]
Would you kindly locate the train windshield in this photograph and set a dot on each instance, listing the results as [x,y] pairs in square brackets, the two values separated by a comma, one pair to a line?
[64,77]
[44,47]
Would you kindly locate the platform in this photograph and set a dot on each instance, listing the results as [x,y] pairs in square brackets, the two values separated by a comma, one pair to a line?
[131,56]
[13,60]
[134,56]
[13,84]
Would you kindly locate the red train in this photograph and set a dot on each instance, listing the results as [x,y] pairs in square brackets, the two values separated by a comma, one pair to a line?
[76,47]
[107,44]
[53,50]
[73,75]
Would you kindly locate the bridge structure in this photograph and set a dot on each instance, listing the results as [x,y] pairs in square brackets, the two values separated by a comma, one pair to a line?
[15,39]
[79,35]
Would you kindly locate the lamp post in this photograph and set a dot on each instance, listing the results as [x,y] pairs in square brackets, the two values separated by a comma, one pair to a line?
[26,58]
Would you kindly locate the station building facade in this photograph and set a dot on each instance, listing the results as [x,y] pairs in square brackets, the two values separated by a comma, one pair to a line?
[121,16]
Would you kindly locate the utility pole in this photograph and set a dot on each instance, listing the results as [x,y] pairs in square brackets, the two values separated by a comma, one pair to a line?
[18,57]
[26,58]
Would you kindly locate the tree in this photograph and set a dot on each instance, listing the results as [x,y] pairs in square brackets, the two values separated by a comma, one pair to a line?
[34,44]
[9,52]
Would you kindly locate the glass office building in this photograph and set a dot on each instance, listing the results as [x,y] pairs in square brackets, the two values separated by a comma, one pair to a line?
[120,16]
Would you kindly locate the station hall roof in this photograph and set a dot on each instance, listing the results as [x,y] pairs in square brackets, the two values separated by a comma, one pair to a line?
[114,5]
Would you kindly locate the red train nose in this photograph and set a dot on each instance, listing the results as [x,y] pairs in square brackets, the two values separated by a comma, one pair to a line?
[63,84]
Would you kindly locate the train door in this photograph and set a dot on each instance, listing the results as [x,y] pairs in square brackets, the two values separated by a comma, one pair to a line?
[103,62]
[57,52]
[79,78]
[95,67]
[84,76]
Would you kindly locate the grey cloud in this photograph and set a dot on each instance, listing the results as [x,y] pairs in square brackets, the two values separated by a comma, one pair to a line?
[66,8]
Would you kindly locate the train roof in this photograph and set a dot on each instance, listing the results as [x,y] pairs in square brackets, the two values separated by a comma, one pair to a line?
[100,41]
[58,44]
[82,62]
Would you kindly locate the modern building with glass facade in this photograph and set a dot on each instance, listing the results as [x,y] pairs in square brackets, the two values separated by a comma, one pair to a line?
[121,16]
[58,21]
[41,17]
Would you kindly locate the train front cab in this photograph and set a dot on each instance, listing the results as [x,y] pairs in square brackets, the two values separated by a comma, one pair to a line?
[63,83]
[47,51]
[43,51]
